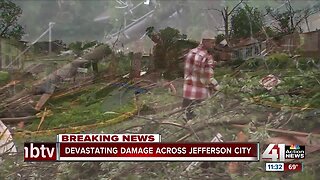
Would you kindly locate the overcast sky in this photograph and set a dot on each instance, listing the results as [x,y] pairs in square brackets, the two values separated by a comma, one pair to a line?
[75,21]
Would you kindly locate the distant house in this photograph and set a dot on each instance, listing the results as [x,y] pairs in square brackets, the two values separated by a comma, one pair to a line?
[42,47]
[247,48]
[10,54]
[287,43]
[306,44]
[310,43]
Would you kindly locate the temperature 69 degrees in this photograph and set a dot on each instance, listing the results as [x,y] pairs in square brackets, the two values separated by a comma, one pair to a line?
[293,167]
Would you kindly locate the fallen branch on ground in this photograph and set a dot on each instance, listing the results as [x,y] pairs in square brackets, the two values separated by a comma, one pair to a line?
[17,119]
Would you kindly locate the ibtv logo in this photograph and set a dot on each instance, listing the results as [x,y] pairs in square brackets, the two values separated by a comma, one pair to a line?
[280,152]
[40,151]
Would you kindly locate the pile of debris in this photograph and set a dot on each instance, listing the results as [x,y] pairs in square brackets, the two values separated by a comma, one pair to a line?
[246,109]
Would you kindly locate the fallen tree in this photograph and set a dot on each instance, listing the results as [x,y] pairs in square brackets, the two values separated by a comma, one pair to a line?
[25,101]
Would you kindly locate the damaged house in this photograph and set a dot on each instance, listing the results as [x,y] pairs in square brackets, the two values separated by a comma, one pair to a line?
[247,48]
[306,44]
[310,43]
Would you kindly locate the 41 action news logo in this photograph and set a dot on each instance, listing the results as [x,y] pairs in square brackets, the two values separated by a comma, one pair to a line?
[280,152]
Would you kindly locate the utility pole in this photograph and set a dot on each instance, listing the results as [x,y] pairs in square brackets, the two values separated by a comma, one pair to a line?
[50,39]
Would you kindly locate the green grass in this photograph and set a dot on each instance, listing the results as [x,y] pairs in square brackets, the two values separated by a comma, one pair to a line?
[83,108]
[159,96]
[4,77]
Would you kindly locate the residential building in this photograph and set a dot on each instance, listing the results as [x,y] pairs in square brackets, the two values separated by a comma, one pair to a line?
[310,43]
[247,48]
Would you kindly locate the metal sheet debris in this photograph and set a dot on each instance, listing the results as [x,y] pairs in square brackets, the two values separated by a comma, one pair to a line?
[270,81]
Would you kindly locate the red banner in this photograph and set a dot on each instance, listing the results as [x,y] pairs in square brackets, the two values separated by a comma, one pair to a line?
[141,151]
[158,151]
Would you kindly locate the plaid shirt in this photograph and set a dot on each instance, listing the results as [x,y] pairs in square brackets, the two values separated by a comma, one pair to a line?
[198,70]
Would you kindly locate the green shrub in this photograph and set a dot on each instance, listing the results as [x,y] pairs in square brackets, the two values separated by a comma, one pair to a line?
[4,77]
[235,63]
[253,63]
[279,61]
[307,63]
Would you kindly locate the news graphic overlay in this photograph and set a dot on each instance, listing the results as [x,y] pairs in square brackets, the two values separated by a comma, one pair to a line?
[103,138]
[279,153]
[294,152]
[274,167]
[40,151]
[284,167]
[136,147]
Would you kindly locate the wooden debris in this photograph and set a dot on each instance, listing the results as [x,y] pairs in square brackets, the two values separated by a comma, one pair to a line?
[11,83]
[171,87]
[44,114]
[17,119]
[44,98]
[42,118]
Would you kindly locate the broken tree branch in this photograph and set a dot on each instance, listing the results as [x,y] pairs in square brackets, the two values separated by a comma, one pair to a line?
[17,119]
[234,8]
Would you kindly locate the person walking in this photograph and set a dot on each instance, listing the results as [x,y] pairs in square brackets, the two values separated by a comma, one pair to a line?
[198,76]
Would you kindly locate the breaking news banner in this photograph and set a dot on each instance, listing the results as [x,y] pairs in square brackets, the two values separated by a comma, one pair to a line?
[108,138]
[135,147]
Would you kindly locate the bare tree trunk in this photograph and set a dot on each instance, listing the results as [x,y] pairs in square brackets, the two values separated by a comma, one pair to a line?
[307,23]
[136,65]
[49,83]
[226,29]
[113,67]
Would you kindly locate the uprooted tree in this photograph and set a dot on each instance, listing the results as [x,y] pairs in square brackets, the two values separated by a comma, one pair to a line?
[48,85]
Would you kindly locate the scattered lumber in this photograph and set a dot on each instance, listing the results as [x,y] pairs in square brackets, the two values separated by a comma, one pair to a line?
[44,98]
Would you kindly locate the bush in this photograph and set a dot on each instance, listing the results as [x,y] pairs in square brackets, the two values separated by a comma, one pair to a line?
[235,63]
[4,77]
[307,63]
[280,61]
[253,63]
